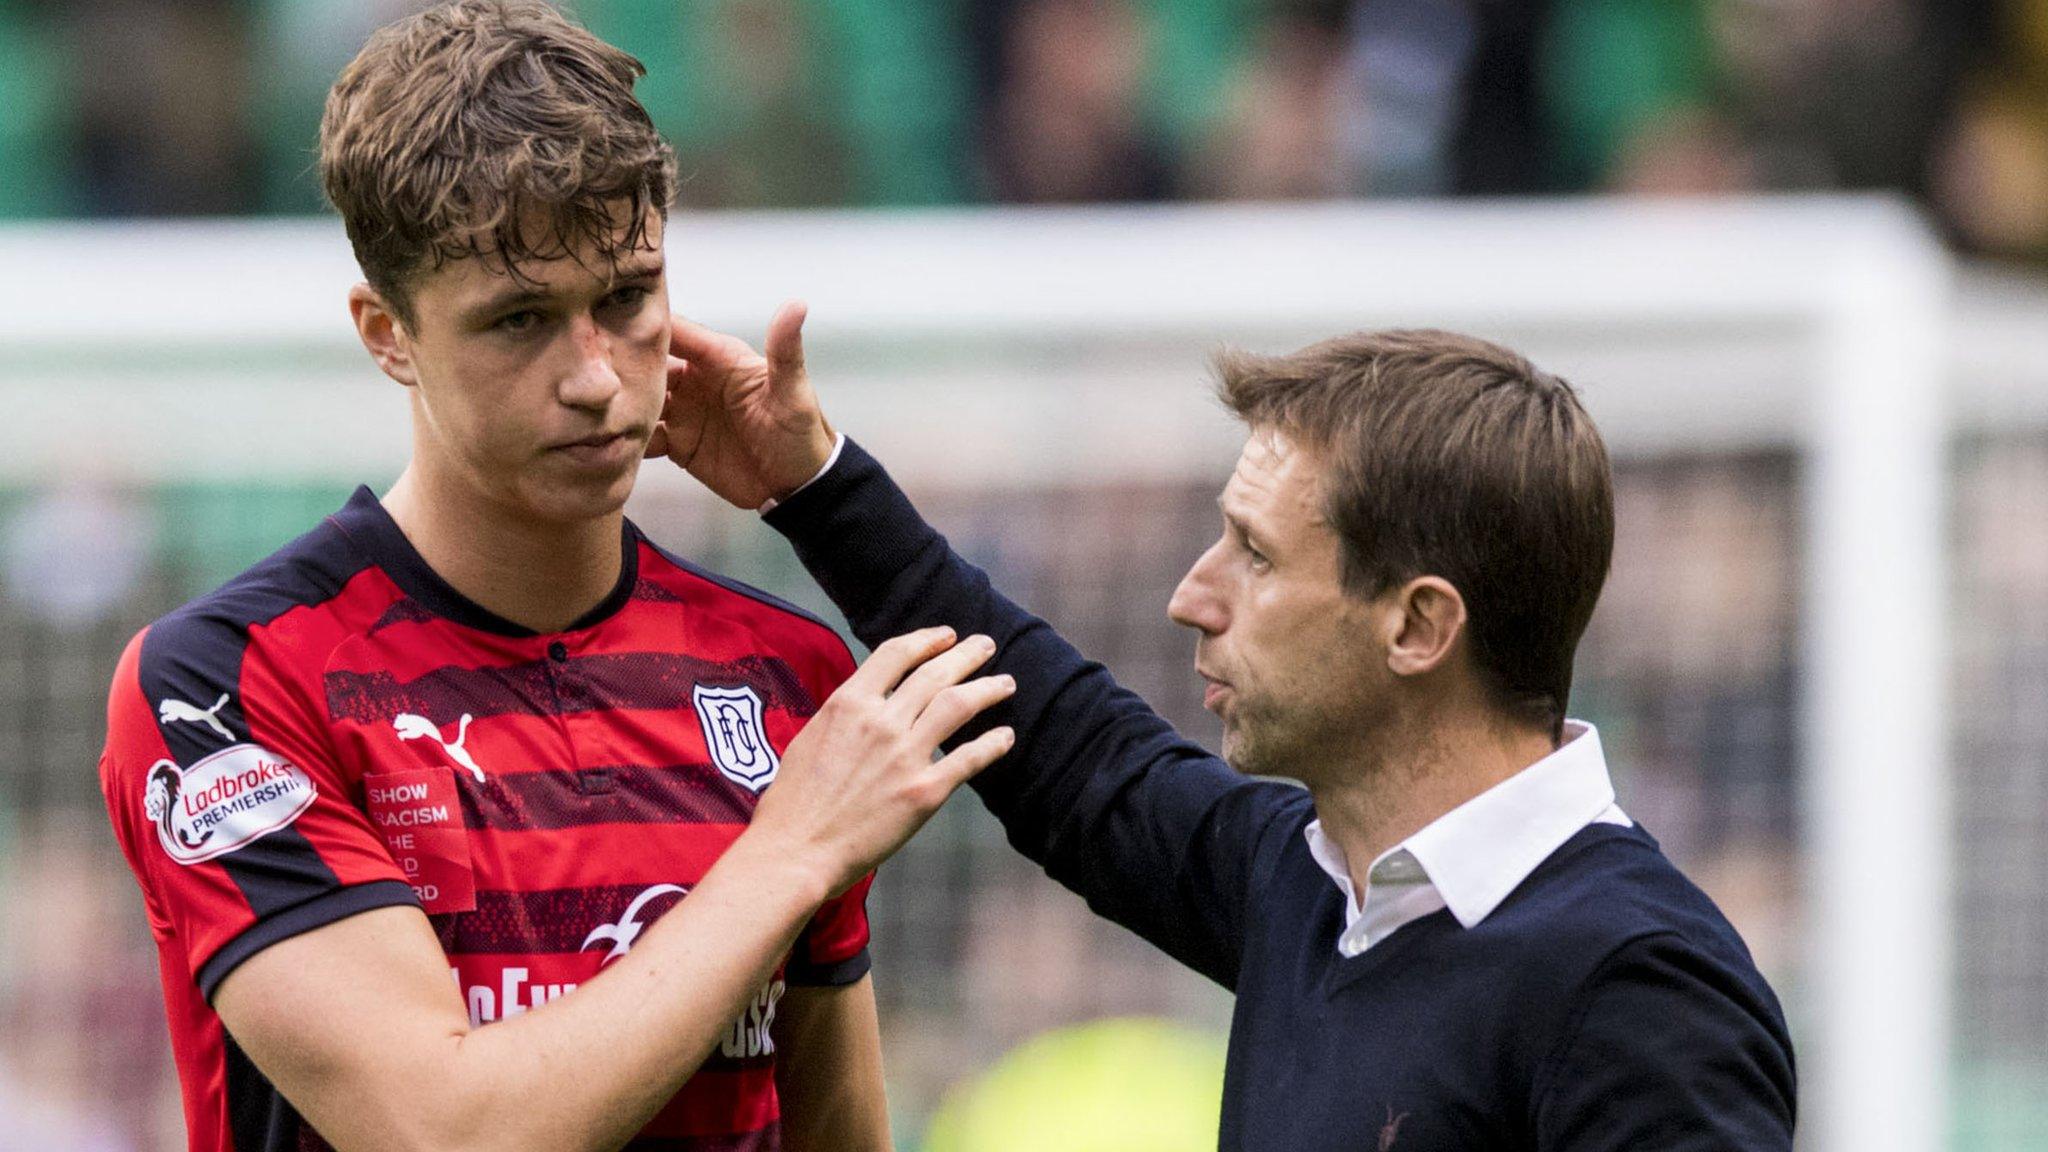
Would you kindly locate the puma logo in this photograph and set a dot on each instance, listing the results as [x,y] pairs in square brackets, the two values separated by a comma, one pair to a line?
[410,726]
[177,712]
[1391,1131]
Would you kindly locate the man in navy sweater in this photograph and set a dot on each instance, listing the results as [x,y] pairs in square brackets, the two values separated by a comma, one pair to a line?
[1452,938]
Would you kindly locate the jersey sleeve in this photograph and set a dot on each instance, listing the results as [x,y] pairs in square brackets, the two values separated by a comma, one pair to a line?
[833,948]
[226,801]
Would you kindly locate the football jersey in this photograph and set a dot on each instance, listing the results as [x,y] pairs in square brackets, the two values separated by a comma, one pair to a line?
[338,729]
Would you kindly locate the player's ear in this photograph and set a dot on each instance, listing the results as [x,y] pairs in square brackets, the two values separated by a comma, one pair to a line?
[383,333]
[1425,618]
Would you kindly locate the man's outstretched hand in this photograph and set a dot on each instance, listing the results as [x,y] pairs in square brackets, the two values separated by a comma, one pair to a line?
[746,425]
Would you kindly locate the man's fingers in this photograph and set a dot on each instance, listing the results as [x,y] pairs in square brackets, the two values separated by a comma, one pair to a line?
[688,339]
[893,659]
[951,709]
[706,347]
[960,765]
[786,342]
[938,674]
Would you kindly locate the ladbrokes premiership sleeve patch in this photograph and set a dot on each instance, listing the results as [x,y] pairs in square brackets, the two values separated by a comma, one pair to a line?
[223,801]
[420,817]
[239,825]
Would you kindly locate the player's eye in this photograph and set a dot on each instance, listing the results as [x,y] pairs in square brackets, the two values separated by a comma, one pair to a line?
[517,323]
[1255,559]
[629,297]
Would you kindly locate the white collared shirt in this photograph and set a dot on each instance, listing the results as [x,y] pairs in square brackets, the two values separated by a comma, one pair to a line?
[1471,857]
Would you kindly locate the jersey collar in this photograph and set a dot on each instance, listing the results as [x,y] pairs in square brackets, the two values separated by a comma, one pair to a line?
[367,523]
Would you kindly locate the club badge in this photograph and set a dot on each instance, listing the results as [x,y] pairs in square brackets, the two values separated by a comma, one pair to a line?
[735,735]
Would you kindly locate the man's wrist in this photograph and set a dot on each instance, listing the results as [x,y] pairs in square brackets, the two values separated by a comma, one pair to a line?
[831,458]
[773,864]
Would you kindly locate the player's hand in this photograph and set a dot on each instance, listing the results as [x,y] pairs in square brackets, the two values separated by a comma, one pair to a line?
[746,425]
[860,777]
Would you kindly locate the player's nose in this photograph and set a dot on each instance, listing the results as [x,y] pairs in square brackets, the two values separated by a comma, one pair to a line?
[1197,601]
[592,380]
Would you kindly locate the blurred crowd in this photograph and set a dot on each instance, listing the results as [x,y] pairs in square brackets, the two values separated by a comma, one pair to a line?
[150,107]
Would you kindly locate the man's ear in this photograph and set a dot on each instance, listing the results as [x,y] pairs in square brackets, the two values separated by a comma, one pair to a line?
[383,334]
[1423,621]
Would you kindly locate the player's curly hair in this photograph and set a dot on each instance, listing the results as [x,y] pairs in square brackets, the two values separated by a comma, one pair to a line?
[495,129]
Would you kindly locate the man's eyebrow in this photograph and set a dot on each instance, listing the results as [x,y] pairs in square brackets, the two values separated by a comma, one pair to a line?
[502,301]
[519,297]
[639,269]
[1235,521]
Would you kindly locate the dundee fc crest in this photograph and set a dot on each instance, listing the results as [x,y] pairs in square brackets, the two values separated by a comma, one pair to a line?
[735,736]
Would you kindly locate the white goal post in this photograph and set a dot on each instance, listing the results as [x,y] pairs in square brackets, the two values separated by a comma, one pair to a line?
[173,352]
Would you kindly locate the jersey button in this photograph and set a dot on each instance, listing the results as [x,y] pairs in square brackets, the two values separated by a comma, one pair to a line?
[558,652]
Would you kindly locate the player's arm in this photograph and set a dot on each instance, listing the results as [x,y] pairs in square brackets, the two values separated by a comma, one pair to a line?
[828,1047]
[1670,1051]
[828,1070]
[1156,833]
[358,1024]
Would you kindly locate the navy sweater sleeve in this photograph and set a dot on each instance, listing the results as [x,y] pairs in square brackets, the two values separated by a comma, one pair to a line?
[1156,833]
[1672,1052]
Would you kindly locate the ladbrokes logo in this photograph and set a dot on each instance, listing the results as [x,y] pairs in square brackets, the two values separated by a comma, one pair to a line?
[224,801]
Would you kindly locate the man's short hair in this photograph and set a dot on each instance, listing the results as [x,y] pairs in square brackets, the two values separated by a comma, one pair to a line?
[489,128]
[1445,455]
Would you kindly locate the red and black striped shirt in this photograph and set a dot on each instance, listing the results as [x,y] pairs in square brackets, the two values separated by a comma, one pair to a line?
[337,729]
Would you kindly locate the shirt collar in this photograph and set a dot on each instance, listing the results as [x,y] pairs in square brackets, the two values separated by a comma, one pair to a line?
[1477,853]
[1483,849]
[377,536]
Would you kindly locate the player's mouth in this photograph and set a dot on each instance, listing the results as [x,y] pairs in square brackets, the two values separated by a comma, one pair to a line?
[1214,693]
[603,450]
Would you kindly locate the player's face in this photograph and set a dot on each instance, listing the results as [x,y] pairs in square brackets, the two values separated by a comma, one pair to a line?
[540,393]
[1290,662]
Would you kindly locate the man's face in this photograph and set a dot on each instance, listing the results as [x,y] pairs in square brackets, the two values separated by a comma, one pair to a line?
[1291,665]
[540,392]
